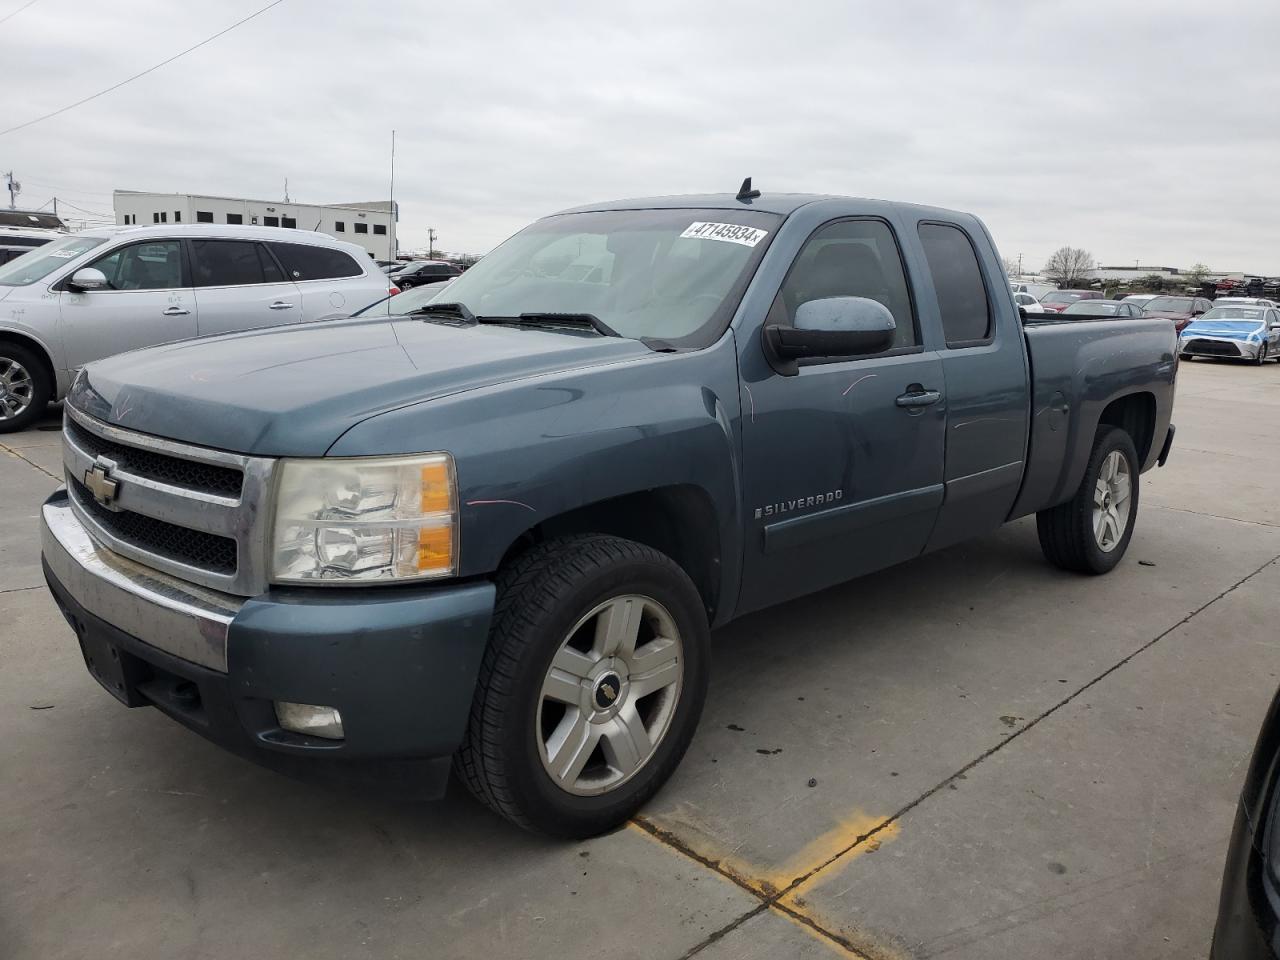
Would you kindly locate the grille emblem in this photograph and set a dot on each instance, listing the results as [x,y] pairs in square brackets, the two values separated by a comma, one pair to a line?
[99,482]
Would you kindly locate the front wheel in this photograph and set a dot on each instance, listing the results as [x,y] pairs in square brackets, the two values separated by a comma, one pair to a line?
[25,388]
[590,688]
[1261,358]
[1091,531]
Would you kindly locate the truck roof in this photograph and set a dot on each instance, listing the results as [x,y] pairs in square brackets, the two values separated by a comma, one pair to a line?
[779,203]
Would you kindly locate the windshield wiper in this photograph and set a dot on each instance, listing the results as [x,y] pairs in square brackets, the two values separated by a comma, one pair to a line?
[450,311]
[541,318]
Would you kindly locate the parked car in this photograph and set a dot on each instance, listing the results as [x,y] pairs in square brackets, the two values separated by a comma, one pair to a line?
[424,271]
[1181,310]
[498,542]
[1103,308]
[21,231]
[1058,300]
[1028,303]
[1249,906]
[1141,299]
[400,304]
[99,292]
[1244,302]
[1250,333]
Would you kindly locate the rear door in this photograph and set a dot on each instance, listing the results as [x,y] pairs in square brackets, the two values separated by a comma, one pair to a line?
[986,378]
[148,301]
[239,286]
[842,462]
[330,283]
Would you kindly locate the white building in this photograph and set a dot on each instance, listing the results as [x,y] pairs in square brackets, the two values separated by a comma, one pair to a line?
[371,225]
[1132,273]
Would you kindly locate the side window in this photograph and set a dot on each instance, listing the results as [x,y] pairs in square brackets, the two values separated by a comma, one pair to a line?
[305,262]
[380,229]
[204,216]
[235,219]
[156,265]
[270,221]
[849,258]
[231,263]
[957,279]
[339,226]
[362,228]
[289,222]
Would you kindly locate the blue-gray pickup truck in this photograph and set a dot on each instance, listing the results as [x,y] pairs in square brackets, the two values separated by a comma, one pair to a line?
[493,535]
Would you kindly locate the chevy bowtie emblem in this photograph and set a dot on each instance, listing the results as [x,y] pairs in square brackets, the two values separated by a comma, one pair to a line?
[98,481]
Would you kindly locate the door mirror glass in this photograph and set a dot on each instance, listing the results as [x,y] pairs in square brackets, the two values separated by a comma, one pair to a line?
[86,279]
[832,327]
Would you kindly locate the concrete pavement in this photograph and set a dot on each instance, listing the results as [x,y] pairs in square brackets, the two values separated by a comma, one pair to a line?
[969,755]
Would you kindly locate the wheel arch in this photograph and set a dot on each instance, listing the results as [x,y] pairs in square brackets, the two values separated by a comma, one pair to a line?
[678,520]
[1135,414]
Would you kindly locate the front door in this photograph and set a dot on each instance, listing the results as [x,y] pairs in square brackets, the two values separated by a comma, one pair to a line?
[843,462]
[147,301]
[239,286]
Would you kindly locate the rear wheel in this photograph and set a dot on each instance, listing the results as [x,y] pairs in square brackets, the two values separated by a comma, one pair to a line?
[25,387]
[1091,531]
[591,686]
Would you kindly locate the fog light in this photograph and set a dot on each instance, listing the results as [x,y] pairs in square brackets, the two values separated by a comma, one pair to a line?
[310,719]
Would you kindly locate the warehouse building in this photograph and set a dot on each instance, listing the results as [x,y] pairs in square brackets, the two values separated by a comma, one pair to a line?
[371,225]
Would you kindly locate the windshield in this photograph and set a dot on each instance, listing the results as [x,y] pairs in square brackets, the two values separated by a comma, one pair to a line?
[672,275]
[1060,296]
[405,302]
[1168,305]
[42,261]
[1093,307]
[1233,313]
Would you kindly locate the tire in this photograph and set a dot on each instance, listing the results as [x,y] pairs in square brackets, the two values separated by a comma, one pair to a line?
[1067,531]
[25,387]
[1261,358]
[549,608]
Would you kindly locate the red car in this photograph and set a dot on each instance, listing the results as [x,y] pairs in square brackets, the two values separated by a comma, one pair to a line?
[1181,310]
[1055,301]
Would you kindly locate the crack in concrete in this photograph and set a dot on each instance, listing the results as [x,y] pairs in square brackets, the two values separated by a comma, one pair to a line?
[772,900]
[19,589]
[1214,516]
[29,462]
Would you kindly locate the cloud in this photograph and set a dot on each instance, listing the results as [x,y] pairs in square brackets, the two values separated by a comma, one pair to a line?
[1137,130]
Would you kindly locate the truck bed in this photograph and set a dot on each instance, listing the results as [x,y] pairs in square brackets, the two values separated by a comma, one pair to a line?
[1093,362]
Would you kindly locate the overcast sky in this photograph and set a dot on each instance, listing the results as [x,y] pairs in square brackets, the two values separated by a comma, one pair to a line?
[1139,130]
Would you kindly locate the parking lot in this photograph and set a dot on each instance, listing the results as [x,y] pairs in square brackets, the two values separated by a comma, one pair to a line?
[971,755]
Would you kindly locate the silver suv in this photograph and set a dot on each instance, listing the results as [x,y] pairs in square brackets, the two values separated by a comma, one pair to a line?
[93,294]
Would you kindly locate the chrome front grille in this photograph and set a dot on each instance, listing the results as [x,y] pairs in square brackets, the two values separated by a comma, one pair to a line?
[189,511]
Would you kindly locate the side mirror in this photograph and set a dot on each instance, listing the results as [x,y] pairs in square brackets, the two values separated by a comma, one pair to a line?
[831,327]
[86,279]
[1274,326]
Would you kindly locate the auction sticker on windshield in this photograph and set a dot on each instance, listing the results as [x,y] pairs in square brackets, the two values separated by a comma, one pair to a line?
[728,232]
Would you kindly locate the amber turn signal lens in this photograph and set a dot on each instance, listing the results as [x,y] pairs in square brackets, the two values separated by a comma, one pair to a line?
[435,548]
[436,489]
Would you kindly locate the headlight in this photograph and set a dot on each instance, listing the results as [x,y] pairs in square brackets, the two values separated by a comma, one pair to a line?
[364,519]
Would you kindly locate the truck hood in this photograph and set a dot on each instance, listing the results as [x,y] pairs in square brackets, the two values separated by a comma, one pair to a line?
[292,391]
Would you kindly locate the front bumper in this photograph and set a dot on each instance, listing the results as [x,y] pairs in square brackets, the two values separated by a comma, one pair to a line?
[399,663]
[1219,347]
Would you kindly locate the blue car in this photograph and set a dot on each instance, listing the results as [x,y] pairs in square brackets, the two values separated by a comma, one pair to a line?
[1238,333]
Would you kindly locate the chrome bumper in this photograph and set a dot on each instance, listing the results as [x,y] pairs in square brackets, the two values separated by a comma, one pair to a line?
[180,618]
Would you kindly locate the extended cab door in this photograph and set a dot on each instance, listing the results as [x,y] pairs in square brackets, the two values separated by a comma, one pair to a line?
[843,461]
[148,301]
[239,286]
[984,361]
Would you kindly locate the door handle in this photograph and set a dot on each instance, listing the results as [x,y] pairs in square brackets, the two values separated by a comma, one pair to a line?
[176,312]
[919,398]
[280,305]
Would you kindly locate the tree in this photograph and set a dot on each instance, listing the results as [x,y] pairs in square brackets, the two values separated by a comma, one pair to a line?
[1153,282]
[1010,267]
[1069,266]
[1196,275]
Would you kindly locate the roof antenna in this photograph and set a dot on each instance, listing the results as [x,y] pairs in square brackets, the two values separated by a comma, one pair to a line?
[745,192]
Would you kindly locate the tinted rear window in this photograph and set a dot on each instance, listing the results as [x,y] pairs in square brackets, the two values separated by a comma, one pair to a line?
[231,263]
[957,280]
[305,262]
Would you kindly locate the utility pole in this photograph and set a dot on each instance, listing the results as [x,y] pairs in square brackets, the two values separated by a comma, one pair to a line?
[286,189]
[14,188]
[431,243]
[1019,266]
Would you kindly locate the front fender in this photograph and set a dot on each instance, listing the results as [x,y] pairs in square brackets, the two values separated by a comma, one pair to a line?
[533,449]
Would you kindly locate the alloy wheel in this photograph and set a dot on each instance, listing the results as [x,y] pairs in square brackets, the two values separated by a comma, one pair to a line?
[1111,503]
[16,388]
